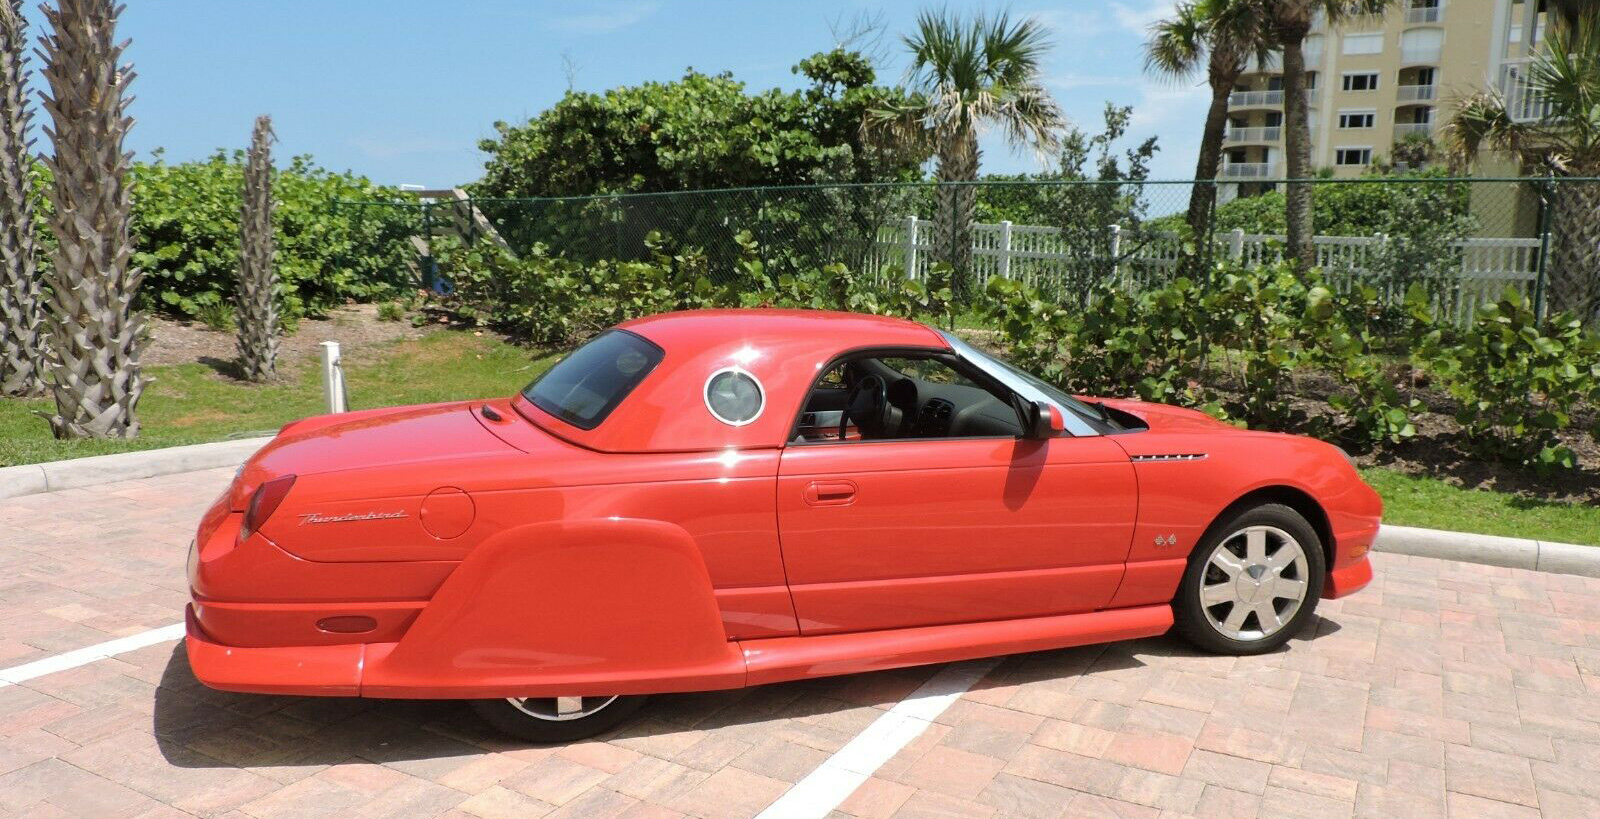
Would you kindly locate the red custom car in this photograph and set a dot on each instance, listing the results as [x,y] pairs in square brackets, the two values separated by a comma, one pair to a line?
[717,499]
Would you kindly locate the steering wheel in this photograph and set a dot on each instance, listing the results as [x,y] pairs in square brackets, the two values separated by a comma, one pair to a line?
[868,403]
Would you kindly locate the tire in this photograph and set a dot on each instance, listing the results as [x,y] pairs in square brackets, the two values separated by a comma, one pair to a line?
[1253,583]
[522,718]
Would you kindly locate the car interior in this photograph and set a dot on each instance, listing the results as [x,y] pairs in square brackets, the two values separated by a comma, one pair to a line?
[892,397]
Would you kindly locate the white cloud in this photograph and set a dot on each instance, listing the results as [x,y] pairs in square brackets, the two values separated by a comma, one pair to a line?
[1072,24]
[605,18]
[1070,81]
[1138,16]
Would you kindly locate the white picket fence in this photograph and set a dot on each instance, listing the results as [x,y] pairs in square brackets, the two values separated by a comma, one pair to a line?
[1042,255]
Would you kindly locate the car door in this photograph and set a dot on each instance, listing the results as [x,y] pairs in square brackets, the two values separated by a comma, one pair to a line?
[897,533]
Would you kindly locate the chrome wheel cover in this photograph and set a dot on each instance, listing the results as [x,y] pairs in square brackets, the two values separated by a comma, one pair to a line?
[561,709]
[1254,583]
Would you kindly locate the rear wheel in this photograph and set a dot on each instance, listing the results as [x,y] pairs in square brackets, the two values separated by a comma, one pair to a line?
[557,719]
[1253,583]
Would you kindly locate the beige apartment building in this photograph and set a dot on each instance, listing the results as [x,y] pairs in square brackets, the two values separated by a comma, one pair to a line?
[1377,81]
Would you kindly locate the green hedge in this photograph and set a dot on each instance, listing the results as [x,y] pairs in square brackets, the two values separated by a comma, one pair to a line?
[186,235]
[1233,346]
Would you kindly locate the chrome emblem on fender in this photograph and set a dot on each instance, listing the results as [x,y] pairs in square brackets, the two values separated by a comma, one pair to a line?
[313,517]
[1169,540]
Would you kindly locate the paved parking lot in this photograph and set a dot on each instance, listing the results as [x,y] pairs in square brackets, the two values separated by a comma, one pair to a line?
[1442,690]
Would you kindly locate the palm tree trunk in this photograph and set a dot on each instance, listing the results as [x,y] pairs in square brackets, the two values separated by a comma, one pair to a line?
[1297,144]
[957,205]
[258,278]
[22,342]
[1573,273]
[94,349]
[1203,196]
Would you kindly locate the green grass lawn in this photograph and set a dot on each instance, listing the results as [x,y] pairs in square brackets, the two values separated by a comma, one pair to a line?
[1434,504]
[191,403]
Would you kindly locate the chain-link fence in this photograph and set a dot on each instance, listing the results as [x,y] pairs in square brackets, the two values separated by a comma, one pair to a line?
[1465,239]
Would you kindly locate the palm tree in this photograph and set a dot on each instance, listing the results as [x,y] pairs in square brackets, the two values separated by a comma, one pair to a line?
[257,308]
[94,344]
[21,340]
[1565,78]
[1289,21]
[966,75]
[1220,35]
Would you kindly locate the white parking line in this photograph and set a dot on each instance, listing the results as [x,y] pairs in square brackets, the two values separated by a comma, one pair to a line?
[839,775]
[84,656]
[811,798]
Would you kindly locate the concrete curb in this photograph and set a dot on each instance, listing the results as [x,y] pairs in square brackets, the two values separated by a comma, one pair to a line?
[1513,552]
[29,479]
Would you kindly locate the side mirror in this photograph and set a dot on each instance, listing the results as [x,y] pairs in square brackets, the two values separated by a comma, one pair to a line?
[1043,421]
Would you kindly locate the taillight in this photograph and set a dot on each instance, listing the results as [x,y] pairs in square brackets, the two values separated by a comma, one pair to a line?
[263,503]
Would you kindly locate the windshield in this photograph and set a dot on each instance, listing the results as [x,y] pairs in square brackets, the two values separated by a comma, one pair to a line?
[590,382]
[1029,386]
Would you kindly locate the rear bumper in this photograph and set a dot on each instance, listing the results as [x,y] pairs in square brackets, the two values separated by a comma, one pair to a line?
[318,671]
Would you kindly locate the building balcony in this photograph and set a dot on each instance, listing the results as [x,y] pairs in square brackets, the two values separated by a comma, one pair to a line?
[1424,15]
[1405,129]
[1268,133]
[1423,54]
[1523,100]
[1416,93]
[1249,170]
[1255,99]
[1271,65]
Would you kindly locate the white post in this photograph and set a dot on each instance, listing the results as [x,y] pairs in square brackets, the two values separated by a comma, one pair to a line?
[1116,249]
[1236,244]
[333,377]
[1005,249]
[911,246]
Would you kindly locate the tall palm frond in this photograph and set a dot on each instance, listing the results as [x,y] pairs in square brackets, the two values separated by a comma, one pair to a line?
[1564,139]
[967,74]
[1218,35]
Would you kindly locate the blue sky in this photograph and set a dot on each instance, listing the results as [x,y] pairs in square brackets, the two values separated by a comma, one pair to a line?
[402,90]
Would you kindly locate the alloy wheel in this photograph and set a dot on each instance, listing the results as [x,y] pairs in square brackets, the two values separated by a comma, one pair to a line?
[561,709]
[1255,582]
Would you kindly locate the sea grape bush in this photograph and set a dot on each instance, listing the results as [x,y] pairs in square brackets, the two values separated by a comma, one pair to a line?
[186,236]
[1233,346]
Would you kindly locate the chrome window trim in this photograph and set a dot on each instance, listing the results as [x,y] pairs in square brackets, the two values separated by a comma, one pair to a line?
[1074,423]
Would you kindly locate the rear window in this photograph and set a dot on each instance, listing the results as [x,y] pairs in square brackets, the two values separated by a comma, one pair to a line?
[590,382]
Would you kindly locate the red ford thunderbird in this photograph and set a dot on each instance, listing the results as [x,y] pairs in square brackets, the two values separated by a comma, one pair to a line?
[715,499]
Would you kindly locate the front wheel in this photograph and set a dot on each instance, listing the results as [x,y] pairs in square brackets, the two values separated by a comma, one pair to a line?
[557,719]
[1253,583]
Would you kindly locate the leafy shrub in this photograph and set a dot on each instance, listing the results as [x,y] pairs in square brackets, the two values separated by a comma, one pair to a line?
[391,311]
[1350,208]
[1342,340]
[554,300]
[1517,379]
[186,235]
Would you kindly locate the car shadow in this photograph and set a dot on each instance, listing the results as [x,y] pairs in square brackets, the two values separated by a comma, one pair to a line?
[198,727]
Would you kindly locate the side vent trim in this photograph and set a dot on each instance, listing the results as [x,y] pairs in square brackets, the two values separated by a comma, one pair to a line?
[1189,456]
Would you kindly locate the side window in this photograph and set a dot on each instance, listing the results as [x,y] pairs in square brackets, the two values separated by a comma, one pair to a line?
[903,397]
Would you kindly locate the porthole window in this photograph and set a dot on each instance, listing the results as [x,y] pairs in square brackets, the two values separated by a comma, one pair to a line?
[734,396]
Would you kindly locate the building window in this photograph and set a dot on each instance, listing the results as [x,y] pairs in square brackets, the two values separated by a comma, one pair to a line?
[1357,119]
[1362,81]
[1352,156]
[1363,43]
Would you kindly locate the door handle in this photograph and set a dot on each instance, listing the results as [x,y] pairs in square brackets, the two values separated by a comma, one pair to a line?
[830,493]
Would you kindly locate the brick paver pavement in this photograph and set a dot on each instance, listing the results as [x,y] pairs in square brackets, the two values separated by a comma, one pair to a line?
[1443,690]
